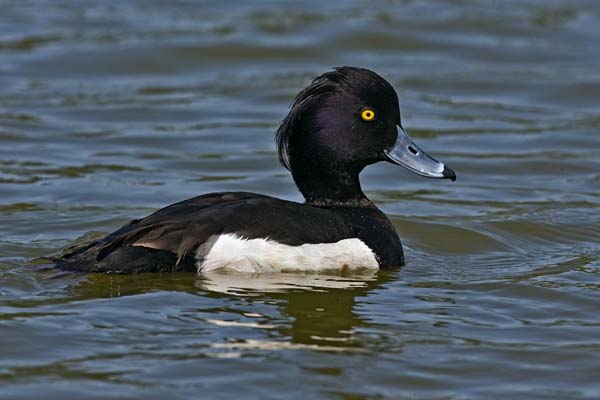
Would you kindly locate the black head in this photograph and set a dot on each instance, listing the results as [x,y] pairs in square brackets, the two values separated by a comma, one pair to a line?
[343,121]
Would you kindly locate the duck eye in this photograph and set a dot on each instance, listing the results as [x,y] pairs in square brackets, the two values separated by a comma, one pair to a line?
[367,114]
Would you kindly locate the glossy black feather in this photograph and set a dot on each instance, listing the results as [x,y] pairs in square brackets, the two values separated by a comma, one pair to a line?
[169,239]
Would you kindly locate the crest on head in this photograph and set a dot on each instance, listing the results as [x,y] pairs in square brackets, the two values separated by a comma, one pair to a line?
[358,83]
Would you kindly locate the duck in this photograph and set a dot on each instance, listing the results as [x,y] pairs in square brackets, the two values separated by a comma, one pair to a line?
[345,120]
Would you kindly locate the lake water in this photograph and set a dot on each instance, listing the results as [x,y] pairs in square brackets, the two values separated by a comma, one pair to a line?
[110,110]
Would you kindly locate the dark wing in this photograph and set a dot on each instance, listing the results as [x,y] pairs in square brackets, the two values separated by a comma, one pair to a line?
[168,239]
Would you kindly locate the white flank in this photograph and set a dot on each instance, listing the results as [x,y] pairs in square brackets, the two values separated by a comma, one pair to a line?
[233,253]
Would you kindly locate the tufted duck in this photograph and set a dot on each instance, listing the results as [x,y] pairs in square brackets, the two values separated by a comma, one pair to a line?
[343,121]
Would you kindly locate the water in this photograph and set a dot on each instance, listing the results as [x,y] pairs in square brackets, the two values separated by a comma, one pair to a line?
[109,110]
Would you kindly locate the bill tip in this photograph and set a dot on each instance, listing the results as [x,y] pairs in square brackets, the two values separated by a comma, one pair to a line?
[449,174]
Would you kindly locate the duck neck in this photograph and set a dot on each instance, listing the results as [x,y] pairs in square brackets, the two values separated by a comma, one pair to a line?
[328,190]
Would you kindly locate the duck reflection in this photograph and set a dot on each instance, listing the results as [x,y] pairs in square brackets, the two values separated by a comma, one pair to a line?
[321,307]
[315,310]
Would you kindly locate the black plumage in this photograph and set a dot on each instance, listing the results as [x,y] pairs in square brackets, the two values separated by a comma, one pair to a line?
[169,239]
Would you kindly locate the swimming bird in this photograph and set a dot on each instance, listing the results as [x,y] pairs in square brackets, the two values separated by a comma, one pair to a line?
[345,120]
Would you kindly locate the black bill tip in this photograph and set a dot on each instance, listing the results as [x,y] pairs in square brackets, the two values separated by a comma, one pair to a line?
[449,174]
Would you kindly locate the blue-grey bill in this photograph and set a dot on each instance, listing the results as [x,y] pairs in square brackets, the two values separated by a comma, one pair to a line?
[410,156]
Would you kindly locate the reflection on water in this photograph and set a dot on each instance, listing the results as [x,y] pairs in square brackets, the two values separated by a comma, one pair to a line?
[249,284]
[321,306]
[109,110]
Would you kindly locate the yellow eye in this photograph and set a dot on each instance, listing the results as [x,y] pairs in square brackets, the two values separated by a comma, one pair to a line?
[367,114]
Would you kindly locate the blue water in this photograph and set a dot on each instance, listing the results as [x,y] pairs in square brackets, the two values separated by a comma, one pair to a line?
[110,110]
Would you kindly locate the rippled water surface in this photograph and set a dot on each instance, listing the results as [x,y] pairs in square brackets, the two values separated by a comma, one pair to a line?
[109,110]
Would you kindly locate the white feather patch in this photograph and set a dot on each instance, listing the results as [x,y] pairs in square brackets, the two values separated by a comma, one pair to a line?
[233,253]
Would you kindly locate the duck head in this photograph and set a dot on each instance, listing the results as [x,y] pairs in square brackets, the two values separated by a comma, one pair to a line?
[343,121]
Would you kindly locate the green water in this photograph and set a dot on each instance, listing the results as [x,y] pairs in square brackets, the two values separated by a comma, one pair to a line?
[109,110]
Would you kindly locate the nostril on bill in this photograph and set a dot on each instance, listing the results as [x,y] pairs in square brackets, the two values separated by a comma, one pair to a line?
[413,150]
